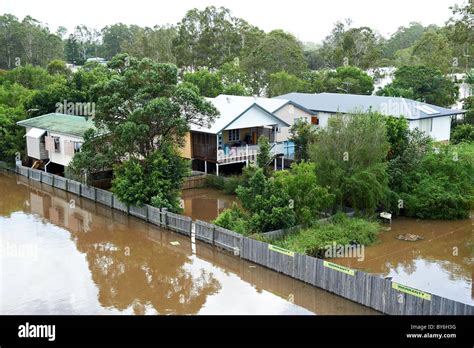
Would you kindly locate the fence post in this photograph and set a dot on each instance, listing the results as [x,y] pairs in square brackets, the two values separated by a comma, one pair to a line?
[164,217]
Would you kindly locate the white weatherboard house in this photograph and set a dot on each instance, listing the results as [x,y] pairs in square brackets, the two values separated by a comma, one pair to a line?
[233,137]
[54,138]
[431,119]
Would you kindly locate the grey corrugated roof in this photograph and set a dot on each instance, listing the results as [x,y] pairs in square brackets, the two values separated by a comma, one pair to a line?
[349,103]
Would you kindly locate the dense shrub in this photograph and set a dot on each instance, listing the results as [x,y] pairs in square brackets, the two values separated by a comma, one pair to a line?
[301,184]
[233,219]
[269,207]
[442,187]
[216,182]
[463,133]
[342,230]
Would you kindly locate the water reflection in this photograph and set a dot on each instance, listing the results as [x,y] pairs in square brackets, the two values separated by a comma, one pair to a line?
[93,260]
[205,204]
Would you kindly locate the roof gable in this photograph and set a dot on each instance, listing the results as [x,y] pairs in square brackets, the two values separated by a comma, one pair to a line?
[232,110]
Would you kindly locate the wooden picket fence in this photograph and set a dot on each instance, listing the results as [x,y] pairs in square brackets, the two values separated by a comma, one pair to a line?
[367,289]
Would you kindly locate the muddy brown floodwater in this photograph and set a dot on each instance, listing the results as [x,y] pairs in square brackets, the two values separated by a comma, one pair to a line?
[205,203]
[442,263]
[61,254]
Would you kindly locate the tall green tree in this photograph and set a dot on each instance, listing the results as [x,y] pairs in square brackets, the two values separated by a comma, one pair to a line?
[350,157]
[208,38]
[433,50]
[403,38]
[209,84]
[264,157]
[345,45]
[426,83]
[275,52]
[142,116]
[283,83]
[303,135]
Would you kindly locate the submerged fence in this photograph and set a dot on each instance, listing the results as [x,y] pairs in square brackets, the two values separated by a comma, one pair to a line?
[369,290]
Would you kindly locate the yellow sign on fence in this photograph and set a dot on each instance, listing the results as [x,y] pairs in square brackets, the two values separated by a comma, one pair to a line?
[281,250]
[411,291]
[339,268]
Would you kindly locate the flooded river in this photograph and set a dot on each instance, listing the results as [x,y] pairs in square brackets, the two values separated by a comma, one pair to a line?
[60,254]
[205,204]
[442,263]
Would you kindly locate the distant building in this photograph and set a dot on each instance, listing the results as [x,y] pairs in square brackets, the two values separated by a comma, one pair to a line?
[434,120]
[97,60]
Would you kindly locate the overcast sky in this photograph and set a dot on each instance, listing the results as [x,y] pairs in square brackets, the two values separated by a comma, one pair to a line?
[309,20]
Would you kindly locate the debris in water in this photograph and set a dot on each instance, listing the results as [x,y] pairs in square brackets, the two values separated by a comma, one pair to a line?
[175,243]
[410,237]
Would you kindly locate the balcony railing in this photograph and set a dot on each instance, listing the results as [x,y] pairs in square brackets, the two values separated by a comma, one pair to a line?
[249,153]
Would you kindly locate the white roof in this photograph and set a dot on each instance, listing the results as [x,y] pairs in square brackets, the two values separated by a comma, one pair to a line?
[268,104]
[35,133]
[232,107]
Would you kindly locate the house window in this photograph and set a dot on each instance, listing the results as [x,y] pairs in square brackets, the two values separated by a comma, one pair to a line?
[77,147]
[314,120]
[426,125]
[57,145]
[291,109]
[234,134]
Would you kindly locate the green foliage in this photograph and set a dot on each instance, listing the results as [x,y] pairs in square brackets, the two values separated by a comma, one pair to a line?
[342,231]
[346,79]
[350,79]
[462,133]
[283,83]
[468,105]
[58,67]
[268,206]
[360,47]
[263,157]
[301,184]
[156,180]
[442,186]
[215,181]
[31,77]
[143,115]
[27,42]
[397,135]
[433,50]
[277,51]
[428,85]
[302,134]
[12,98]
[231,184]
[233,219]
[209,84]
[407,159]
[404,37]
[350,159]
